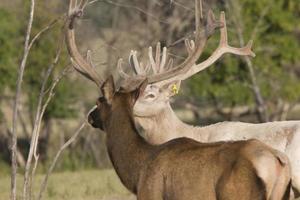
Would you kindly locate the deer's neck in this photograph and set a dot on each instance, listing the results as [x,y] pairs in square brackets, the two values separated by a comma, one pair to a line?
[128,151]
[166,126]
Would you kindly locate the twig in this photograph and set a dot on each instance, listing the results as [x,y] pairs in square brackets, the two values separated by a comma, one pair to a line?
[49,26]
[53,164]
[16,104]
[53,86]
[136,8]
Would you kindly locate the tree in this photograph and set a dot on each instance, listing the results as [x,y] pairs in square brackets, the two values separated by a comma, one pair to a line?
[272,26]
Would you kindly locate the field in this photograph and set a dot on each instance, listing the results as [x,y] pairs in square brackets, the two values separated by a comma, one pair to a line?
[82,185]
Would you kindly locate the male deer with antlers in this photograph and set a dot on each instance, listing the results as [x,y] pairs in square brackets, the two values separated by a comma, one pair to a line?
[261,159]
[160,124]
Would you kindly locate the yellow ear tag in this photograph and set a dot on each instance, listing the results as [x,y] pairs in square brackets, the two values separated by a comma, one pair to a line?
[175,89]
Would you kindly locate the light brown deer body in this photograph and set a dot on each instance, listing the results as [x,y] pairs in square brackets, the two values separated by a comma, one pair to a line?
[183,168]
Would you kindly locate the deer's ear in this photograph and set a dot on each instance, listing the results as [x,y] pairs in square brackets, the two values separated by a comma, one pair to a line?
[108,89]
[172,88]
[140,89]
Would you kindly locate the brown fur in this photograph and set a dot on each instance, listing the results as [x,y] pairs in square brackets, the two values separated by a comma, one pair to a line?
[183,168]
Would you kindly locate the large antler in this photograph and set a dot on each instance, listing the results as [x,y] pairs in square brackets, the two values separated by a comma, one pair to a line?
[83,66]
[222,49]
[162,72]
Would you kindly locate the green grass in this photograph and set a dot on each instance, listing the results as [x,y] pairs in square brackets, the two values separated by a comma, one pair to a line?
[84,185]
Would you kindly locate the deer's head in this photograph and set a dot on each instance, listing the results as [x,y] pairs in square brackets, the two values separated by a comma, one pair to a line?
[163,78]
[155,99]
[113,100]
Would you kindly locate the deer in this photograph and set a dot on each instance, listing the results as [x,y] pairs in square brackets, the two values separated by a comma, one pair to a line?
[214,170]
[159,123]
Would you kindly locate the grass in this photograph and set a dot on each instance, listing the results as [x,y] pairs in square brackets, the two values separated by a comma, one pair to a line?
[84,185]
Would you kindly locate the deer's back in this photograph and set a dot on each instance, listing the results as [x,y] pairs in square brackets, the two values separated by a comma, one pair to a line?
[186,169]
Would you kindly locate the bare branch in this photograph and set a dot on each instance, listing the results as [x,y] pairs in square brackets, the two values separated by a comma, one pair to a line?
[16,103]
[52,88]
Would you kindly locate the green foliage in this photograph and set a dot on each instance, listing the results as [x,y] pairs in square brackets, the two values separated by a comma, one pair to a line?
[13,22]
[41,57]
[277,47]
[9,51]
[99,16]
[278,50]
[66,96]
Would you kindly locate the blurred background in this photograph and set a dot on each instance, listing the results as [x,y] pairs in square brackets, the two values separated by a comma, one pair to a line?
[260,89]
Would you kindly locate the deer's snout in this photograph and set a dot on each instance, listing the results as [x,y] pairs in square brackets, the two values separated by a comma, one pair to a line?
[94,119]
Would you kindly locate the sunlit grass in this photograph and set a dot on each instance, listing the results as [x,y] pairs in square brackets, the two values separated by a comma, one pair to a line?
[83,185]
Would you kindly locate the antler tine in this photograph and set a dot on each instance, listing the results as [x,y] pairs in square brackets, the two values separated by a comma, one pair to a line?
[152,61]
[71,6]
[190,46]
[170,64]
[123,74]
[148,68]
[244,51]
[163,60]
[157,56]
[79,63]
[133,60]
[159,64]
